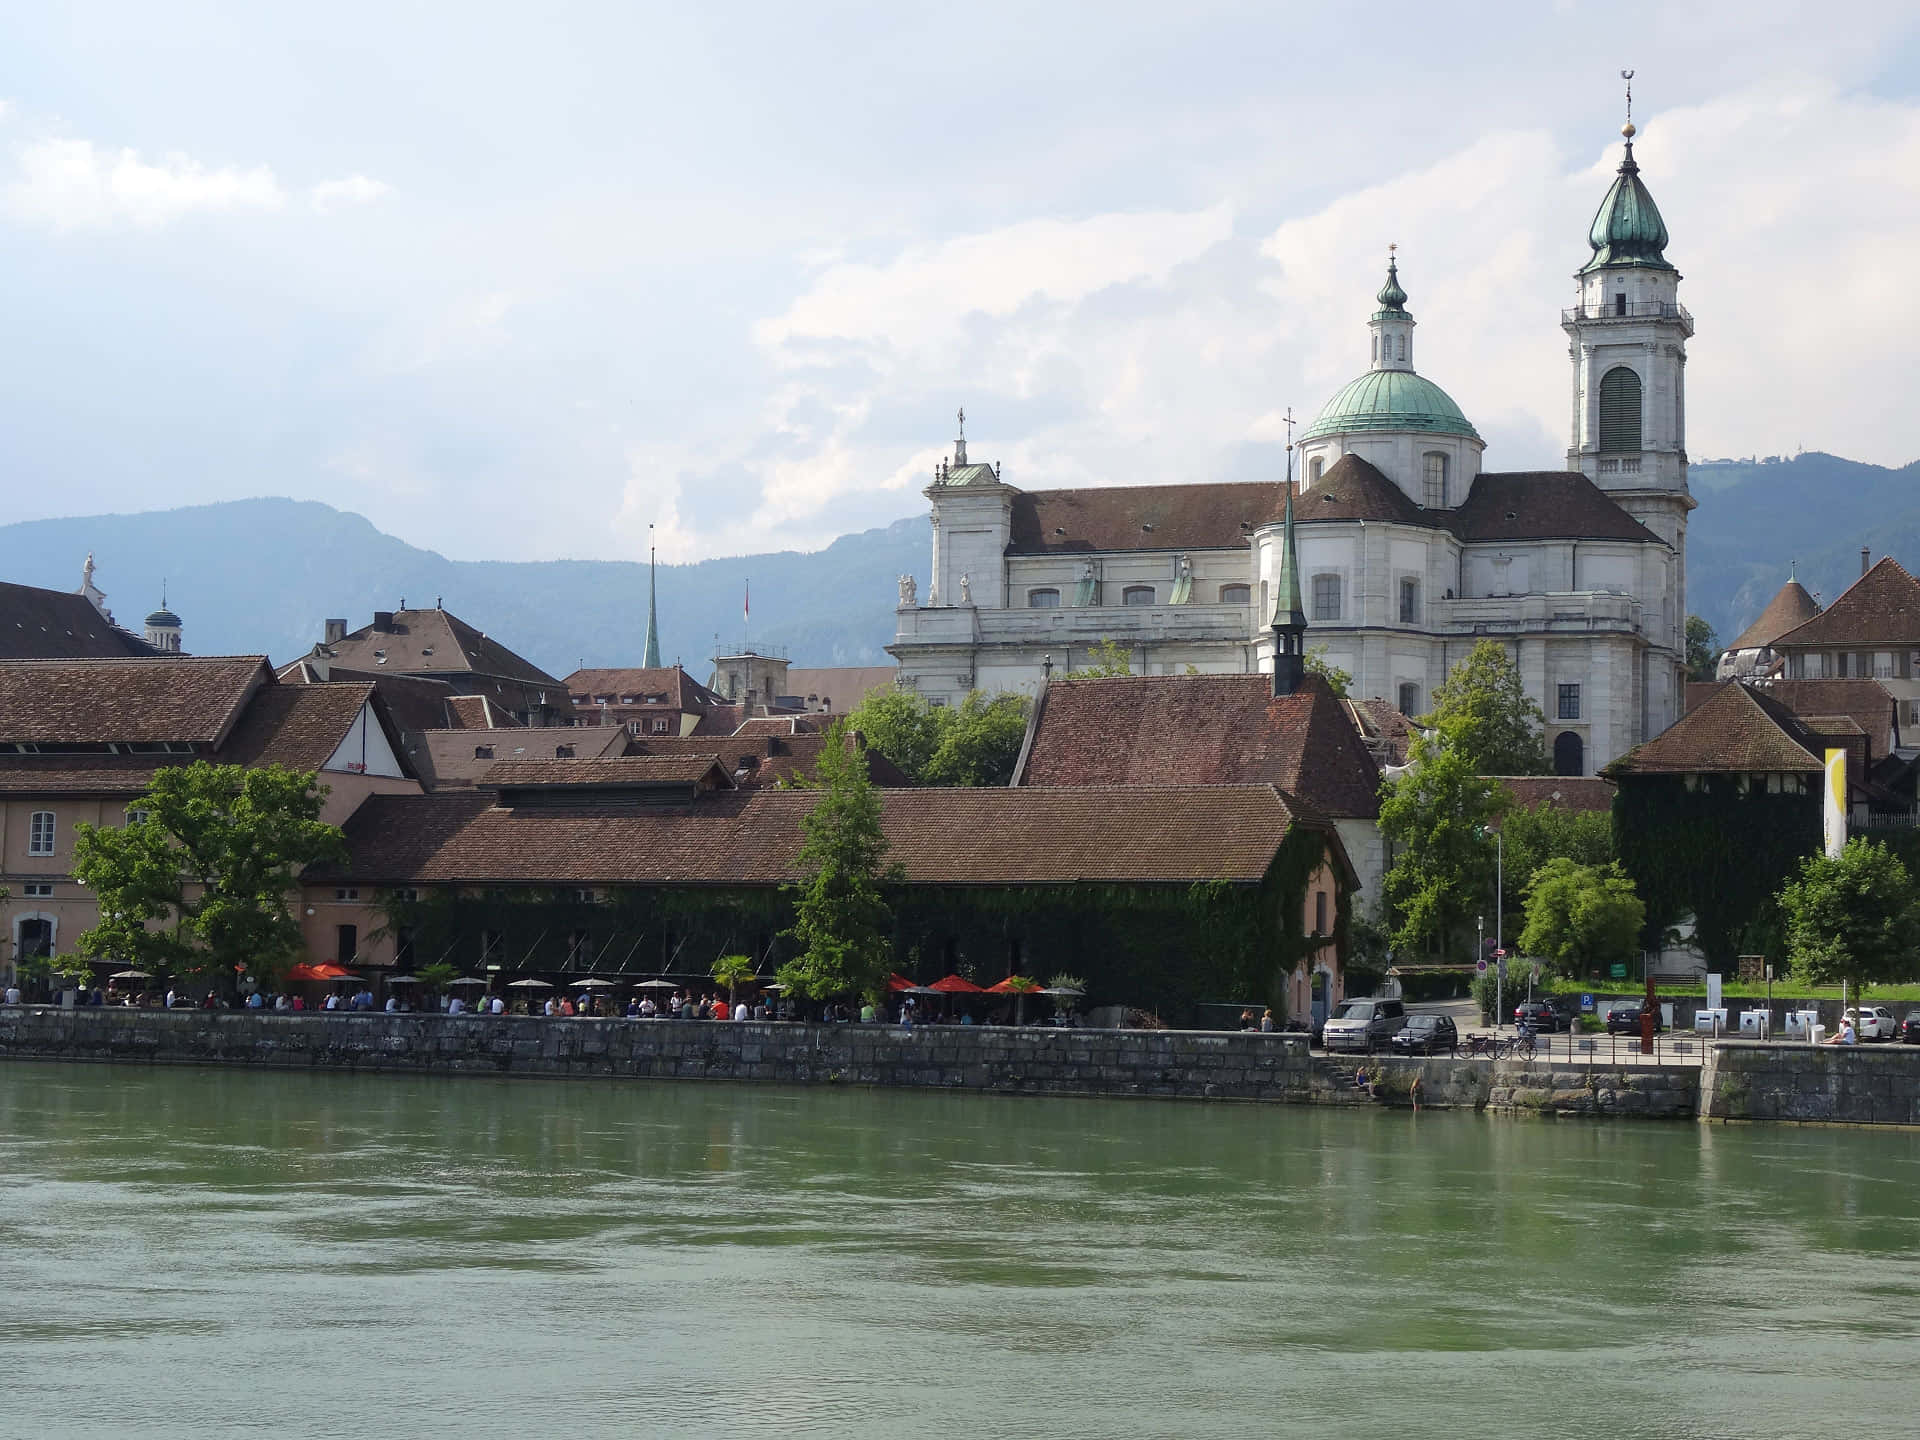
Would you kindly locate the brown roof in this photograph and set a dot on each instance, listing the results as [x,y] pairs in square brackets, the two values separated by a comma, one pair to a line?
[477,712]
[1542,505]
[433,642]
[844,685]
[1880,609]
[755,759]
[1560,792]
[778,725]
[38,624]
[1696,692]
[1868,703]
[682,691]
[1791,608]
[1387,733]
[1138,517]
[1735,730]
[81,774]
[445,759]
[179,698]
[1353,489]
[1203,730]
[600,774]
[940,837]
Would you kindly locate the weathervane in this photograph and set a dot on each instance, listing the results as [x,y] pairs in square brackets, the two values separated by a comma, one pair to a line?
[960,445]
[1627,129]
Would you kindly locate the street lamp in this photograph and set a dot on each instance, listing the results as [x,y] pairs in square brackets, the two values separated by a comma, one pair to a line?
[1499,921]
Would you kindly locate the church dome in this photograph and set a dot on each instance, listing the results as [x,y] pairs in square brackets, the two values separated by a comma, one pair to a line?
[1627,228]
[1390,400]
[164,618]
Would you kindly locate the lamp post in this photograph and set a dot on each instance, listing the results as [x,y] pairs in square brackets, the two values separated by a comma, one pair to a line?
[1499,922]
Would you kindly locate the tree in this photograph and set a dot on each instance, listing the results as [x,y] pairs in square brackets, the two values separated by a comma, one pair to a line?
[1852,920]
[1105,661]
[901,726]
[1534,834]
[980,742]
[1581,919]
[842,922]
[733,971]
[1703,646]
[1442,873]
[1338,680]
[1485,715]
[205,881]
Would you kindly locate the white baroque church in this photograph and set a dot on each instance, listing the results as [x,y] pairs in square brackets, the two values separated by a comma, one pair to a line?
[1409,551]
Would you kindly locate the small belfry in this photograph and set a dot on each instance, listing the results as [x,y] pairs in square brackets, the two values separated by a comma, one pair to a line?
[1392,326]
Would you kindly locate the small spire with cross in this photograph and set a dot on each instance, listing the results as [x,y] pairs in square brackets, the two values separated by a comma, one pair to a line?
[960,445]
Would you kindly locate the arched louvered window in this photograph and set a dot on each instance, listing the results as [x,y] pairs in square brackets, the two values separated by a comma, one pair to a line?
[1620,411]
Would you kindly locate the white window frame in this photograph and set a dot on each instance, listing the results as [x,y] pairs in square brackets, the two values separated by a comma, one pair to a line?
[43,831]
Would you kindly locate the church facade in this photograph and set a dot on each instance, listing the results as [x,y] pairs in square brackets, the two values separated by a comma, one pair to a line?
[1410,552]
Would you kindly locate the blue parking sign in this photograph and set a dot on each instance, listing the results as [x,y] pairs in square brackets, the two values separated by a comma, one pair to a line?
[1586,1004]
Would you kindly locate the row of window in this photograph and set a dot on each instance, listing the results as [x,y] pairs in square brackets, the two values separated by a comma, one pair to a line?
[1384,348]
[43,828]
[1048,597]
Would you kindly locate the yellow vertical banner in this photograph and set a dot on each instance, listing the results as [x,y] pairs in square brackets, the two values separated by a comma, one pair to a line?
[1833,816]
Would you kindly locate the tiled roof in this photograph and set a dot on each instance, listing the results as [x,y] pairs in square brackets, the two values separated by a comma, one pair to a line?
[1868,703]
[415,702]
[845,685]
[298,726]
[941,837]
[179,698]
[1561,792]
[1387,733]
[1204,730]
[445,759]
[600,774]
[766,725]
[433,642]
[1879,610]
[1542,505]
[1789,609]
[80,774]
[1734,730]
[1352,489]
[1139,517]
[682,691]
[38,624]
[761,760]
[477,712]
[1698,691]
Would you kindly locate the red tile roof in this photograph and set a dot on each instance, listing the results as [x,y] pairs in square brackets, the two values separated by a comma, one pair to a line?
[1789,609]
[446,759]
[1203,730]
[179,698]
[1579,793]
[1353,489]
[1734,730]
[477,712]
[778,725]
[1868,703]
[1879,610]
[602,774]
[761,760]
[940,837]
[1138,517]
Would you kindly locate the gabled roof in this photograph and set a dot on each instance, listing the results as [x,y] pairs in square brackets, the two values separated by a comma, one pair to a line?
[38,624]
[1736,730]
[683,692]
[450,759]
[184,699]
[759,759]
[1867,703]
[1213,516]
[301,726]
[1176,836]
[1542,505]
[1386,732]
[1879,610]
[763,725]
[1203,730]
[1354,489]
[615,771]
[434,642]
[1577,793]
[414,702]
[1790,608]
[477,712]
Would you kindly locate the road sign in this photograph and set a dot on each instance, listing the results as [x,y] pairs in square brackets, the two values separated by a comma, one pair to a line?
[1481,966]
[1586,1004]
[1499,954]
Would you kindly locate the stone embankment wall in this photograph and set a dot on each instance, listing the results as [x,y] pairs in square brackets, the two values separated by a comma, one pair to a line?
[1853,1084]
[1651,1092]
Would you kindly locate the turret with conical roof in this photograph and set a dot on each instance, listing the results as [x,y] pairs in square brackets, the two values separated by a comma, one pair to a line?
[1289,614]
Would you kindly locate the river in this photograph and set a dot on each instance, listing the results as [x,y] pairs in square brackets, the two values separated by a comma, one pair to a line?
[190,1253]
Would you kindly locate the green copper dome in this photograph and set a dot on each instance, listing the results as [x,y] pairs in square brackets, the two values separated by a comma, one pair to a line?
[1390,400]
[1627,229]
[1391,296]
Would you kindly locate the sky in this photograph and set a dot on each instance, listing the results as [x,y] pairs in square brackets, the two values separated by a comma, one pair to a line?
[521,282]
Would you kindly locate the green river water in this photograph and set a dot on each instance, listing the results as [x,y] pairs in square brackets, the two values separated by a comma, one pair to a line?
[193,1253]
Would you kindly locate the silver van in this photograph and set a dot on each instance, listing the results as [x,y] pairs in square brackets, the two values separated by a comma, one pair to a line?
[1364,1024]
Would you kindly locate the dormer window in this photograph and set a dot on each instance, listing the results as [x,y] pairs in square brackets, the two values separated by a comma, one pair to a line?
[563,752]
[483,752]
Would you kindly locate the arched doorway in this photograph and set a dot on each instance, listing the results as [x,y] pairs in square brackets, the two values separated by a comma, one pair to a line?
[1569,754]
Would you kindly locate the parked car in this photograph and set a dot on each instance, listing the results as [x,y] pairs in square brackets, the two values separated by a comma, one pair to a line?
[1873,1022]
[1625,1019]
[1426,1035]
[1541,1016]
[1367,1025]
[1910,1028]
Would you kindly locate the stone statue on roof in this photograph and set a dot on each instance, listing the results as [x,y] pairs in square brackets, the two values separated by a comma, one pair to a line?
[908,590]
[966,588]
[1182,581]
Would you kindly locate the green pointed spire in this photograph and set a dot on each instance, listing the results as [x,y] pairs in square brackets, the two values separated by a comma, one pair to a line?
[1288,611]
[650,657]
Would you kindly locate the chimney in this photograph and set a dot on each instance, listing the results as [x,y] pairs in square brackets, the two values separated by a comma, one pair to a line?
[336,631]
[1864,553]
[383,621]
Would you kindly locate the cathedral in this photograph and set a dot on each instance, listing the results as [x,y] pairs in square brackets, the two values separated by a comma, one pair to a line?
[1409,551]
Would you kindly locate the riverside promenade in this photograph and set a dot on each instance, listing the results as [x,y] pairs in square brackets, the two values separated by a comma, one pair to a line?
[1738,1080]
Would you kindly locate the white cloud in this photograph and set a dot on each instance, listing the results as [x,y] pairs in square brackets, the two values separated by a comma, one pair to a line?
[331,195]
[75,185]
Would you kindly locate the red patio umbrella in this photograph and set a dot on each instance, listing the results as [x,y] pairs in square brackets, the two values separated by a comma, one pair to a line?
[955,985]
[899,982]
[1014,985]
[325,970]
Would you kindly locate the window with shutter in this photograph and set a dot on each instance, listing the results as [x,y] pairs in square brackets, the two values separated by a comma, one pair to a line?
[1620,411]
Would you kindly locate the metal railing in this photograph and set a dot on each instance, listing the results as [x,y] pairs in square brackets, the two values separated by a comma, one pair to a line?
[1633,310]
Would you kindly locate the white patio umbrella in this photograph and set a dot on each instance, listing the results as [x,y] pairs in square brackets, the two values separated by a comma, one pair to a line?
[592,984]
[130,975]
[656,985]
[529,985]
[466,980]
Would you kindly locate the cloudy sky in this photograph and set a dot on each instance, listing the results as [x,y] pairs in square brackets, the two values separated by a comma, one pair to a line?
[515,287]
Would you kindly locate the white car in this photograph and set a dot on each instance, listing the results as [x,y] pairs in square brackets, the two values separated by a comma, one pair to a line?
[1366,1025]
[1873,1022]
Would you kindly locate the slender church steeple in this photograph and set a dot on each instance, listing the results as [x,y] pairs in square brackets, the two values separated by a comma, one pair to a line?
[650,657]
[1289,615]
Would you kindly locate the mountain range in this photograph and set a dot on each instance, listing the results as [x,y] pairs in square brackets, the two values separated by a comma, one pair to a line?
[262,576]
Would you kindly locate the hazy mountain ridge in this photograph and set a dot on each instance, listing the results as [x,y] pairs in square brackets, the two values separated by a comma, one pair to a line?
[260,576]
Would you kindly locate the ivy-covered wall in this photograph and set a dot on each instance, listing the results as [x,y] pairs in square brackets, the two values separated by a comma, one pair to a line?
[1718,848]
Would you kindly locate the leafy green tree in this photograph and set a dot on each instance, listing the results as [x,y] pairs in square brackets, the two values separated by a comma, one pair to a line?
[842,922]
[1534,834]
[1703,647]
[205,882]
[1338,680]
[733,971]
[1484,714]
[1105,661]
[981,741]
[1852,920]
[1442,871]
[1582,918]
[901,726]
